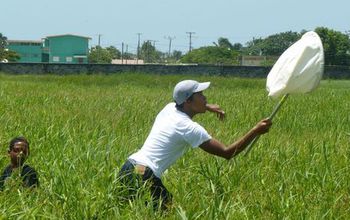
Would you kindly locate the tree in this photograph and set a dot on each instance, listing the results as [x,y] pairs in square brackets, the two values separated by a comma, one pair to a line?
[212,55]
[100,55]
[129,56]
[3,44]
[114,52]
[176,55]
[237,46]
[224,43]
[6,54]
[222,53]
[273,45]
[149,53]
[11,56]
[336,46]
[253,47]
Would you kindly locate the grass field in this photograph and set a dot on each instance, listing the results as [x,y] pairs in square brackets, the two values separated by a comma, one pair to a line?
[83,127]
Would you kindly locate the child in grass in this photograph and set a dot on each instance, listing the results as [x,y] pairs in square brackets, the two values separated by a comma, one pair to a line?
[18,153]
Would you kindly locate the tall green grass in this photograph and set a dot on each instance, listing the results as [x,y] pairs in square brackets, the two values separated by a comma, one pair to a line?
[82,128]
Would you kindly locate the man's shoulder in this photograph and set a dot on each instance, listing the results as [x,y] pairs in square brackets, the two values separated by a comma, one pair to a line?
[177,118]
[188,126]
[169,107]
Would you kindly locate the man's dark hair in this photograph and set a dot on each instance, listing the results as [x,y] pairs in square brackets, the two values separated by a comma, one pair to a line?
[181,106]
[18,139]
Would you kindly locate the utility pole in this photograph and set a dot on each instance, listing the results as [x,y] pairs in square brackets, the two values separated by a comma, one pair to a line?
[147,43]
[126,54]
[99,48]
[99,40]
[170,39]
[138,47]
[190,36]
[122,51]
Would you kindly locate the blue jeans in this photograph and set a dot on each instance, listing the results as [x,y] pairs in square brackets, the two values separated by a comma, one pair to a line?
[133,182]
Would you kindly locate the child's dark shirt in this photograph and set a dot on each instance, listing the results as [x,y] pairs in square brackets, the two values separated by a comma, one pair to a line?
[28,174]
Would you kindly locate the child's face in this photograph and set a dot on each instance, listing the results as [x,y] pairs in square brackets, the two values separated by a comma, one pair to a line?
[19,153]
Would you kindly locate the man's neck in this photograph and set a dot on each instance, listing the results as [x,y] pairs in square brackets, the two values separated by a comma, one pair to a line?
[187,111]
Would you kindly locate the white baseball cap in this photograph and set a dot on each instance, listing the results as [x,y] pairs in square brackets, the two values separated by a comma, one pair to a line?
[184,89]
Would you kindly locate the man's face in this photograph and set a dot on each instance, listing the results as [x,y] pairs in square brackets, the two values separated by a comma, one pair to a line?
[19,153]
[198,103]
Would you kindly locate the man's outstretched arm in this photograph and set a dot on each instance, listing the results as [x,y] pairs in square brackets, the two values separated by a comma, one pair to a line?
[215,147]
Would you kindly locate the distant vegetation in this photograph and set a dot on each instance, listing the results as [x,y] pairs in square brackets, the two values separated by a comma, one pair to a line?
[5,54]
[223,52]
[336,46]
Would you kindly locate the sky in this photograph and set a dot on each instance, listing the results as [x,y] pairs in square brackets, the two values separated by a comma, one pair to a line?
[115,22]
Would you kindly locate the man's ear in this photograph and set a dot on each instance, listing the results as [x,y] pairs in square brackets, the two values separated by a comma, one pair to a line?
[188,100]
[186,103]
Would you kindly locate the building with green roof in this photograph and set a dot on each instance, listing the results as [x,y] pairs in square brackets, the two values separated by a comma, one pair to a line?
[66,48]
[29,51]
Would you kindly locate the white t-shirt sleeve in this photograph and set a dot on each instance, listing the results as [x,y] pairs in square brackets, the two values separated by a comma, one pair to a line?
[196,135]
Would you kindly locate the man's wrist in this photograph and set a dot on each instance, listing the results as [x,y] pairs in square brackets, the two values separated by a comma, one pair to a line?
[207,106]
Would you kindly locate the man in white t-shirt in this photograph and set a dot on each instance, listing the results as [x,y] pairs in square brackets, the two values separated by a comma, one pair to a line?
[172,134]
